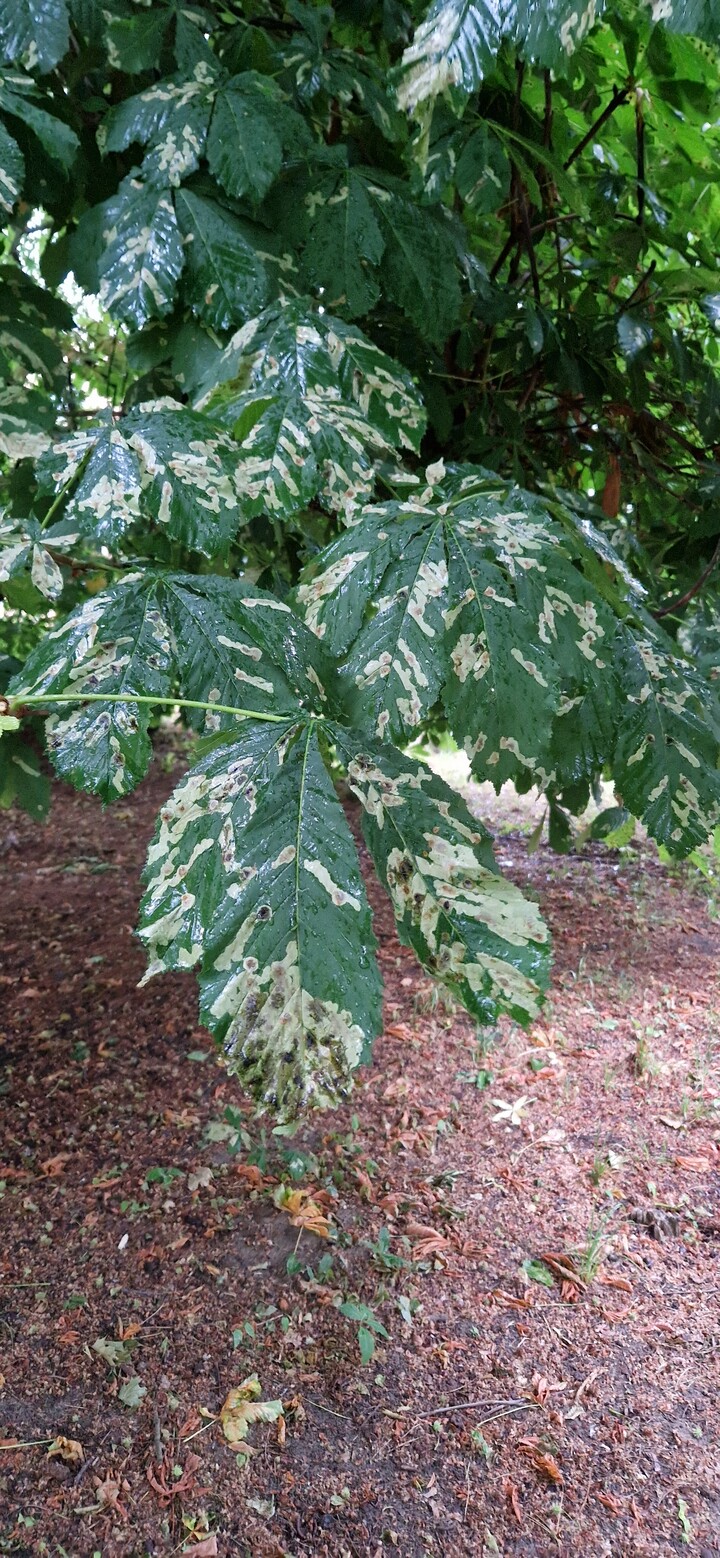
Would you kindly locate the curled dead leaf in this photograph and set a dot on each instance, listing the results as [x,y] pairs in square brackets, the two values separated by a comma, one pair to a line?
[69,1450]
[305,1210]
[242,1408]
[542,1460]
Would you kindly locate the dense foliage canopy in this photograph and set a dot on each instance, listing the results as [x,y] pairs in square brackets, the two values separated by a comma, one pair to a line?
[360,381]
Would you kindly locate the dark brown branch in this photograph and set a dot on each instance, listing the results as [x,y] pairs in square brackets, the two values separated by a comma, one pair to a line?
[684,600]
[548,118]
[528,237]
[507,248]
[640,144]
[638,294]
[620,95]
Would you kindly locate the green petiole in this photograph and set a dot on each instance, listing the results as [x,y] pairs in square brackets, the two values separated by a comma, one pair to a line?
[24,700]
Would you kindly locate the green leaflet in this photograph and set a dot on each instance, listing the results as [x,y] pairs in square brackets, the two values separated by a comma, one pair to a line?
[134,42]
[170,464]
[456,44]
[345,245]
[33,33]
[701,17]
[482,174]
[253,873]
[310,401]
[252,127]
[27,314]
[22,782]
[116,642]
[665,764]
[469,926]
[19,98]
[170,117]
[419,270]
[21,548]
[12,169]
[143,256]
[225,280]
[395,670]
[26,419]
[237,645]
[155,634]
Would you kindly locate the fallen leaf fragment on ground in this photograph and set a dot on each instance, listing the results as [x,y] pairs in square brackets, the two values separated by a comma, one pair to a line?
[542,1460]
[511,1112]
[304,1210]
[69,1450]
[242,1408]
[205,1549]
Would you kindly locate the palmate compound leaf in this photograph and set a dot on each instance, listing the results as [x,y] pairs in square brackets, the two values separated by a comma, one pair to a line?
[160,634]
[253,874]
[457,43]
[163,463]
[367,235]
[470,927]
[476,594]
[312,402]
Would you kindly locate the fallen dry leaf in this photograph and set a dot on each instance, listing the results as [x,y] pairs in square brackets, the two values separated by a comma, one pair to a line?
[169,1489]
[69,1450]
[54,1166]
[251,1175]
[205,1549]
[108,1490]
[242,1408]
[540,1388]
[608,1279]
[542,1461]
[511,1494]
[304,1210]
[610,1502]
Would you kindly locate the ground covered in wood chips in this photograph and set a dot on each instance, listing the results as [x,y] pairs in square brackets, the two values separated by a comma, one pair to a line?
[486,1293]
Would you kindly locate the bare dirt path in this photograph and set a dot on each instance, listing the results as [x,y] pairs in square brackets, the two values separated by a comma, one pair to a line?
[530,1236]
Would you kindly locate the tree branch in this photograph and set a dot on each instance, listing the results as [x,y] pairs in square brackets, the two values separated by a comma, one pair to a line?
[620,95]
[640,144]
[684,600]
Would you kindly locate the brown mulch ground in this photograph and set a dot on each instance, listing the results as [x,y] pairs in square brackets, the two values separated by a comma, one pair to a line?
[548,1274]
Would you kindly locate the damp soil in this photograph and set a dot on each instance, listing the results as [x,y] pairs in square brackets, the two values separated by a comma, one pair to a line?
[526,1231]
